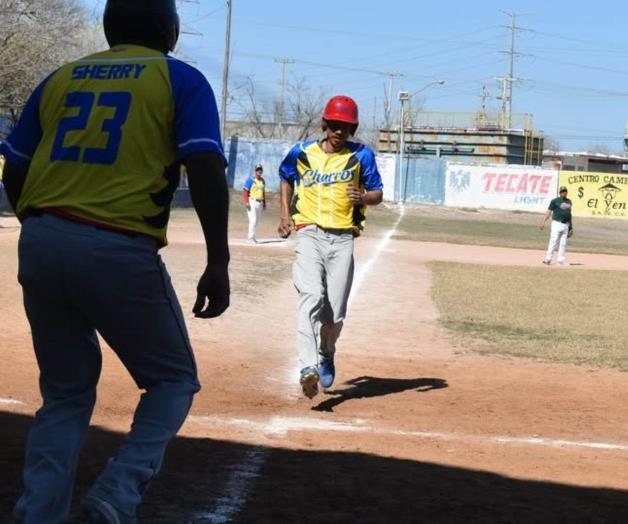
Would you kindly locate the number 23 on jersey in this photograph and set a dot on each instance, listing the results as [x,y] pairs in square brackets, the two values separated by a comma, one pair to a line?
[85,101]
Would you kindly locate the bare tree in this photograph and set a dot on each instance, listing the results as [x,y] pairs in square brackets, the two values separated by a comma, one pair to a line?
[258,120]
[305,106]
[551,144]
[262,118]
[601,149]
[36,37]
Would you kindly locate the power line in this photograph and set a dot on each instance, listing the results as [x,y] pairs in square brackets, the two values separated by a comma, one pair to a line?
[317,64]
[369,35]
[579,40]
[591,90]
[588,67]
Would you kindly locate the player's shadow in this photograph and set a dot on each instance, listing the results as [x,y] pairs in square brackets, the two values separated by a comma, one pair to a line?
[369,387]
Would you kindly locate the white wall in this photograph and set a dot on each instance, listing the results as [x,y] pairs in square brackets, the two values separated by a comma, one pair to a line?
[514,188]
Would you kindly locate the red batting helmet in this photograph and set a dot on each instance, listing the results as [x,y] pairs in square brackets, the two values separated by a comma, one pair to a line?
[342,109]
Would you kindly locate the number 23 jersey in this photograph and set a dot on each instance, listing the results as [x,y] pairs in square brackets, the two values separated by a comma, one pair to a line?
[103,138]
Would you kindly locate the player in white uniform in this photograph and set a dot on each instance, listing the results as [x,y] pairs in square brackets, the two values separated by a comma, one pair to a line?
[562,226]
[254,197]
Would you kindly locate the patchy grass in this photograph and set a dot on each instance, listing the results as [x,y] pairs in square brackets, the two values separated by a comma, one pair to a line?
[499,228]
[556,316]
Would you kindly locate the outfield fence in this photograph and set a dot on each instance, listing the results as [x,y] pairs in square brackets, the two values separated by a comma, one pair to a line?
[440,182]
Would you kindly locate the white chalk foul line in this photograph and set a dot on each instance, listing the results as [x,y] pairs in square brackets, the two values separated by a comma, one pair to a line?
[366,266]
[237,488]
[243,476]
[281,426]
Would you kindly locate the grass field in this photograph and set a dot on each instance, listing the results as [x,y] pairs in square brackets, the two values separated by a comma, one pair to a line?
[556,316]
[499,228]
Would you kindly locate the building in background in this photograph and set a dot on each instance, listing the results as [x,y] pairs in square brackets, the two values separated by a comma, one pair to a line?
[582,161]
[475,137]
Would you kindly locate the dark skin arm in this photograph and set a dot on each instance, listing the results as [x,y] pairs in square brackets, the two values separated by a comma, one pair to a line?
[14,178]
[370,198]
[210,196]
[286,224]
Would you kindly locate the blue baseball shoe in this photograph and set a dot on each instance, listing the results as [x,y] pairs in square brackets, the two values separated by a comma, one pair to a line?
[327,371]
[98,511]
[309,381]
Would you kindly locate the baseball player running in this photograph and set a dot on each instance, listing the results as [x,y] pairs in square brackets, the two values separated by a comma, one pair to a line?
[91,170]
[325,188]
[254,197]
[562,226]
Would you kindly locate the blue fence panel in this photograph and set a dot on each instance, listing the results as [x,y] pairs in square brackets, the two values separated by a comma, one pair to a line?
[422,180]
[244,153]
[5,207]
[182,198]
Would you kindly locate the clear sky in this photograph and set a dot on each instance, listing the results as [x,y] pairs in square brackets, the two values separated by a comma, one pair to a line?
[573,68]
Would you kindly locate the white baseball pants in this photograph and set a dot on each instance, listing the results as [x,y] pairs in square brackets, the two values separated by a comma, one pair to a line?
[255,215]
[558,240]
[323,274]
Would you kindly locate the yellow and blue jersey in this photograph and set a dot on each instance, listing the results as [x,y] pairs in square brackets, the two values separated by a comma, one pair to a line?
[103,138]
[256,188]
[320,182]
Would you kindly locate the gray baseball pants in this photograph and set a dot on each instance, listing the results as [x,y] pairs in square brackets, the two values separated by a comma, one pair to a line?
[323,274]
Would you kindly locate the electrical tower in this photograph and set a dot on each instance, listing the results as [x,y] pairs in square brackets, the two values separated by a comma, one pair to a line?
[509,79]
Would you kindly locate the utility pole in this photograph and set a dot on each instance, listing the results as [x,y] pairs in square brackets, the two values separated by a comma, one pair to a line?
[404,97]
[482,116]
[225,72]
[282,94]
[375,130]
[509,79]
[388,102]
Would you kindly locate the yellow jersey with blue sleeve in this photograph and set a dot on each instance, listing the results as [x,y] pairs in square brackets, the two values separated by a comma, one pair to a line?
[103,138]
[256,188]
[320,182]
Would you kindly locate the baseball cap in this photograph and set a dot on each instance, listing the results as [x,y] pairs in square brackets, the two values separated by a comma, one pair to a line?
[259,167]
[563,189]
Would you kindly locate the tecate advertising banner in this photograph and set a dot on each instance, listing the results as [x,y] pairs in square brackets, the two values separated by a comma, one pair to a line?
[514,188]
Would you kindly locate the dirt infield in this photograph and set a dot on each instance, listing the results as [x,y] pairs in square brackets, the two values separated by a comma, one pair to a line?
[414,429]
